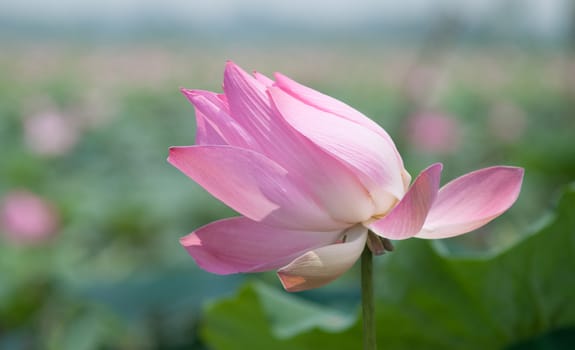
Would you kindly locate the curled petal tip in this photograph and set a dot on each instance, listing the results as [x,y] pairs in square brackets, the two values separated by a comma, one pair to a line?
[231,65]
[190,240]
[309,271]
[263,79]
[171,152]
[291,283]
[320,266]
[190,94]
[174,149]
[519,170]
[186,91]
[438,166]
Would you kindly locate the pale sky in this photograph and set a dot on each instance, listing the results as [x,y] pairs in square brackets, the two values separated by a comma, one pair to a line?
[542,15]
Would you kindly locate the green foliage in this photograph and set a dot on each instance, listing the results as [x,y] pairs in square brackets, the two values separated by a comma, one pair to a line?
[429,299]
[115,277]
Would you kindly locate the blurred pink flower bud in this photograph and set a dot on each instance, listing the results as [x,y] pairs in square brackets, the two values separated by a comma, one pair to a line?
[49,134]
[431,132]
[27,218]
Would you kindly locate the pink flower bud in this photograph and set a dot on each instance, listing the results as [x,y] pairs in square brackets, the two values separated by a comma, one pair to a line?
[27,218]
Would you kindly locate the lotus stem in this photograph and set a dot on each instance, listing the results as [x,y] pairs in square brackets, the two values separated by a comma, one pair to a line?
[367,304]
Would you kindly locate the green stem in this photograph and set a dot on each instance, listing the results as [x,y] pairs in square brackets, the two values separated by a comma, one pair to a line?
[367,305]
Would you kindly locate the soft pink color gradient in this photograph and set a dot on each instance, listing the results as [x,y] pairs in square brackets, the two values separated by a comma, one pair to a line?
[310,176]
[50,134]
[26,218]
[433,132]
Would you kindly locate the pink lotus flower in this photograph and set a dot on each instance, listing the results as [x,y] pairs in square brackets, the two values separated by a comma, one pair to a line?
[311,176]
[27,218]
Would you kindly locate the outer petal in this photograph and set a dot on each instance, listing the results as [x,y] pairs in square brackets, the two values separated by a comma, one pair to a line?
[407,218]
[250,106]
[242,245]
[472,200]
[332,105]
[206,134]
[333,185]
[215,126]
[326,103]
[263,79]
[321,266]
[252,184]
[368,155]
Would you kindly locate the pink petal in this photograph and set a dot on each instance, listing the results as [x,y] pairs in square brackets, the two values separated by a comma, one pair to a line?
[215,126]
[242,245]
[472,200]
[407,218]
[323,265]
[206,134]
[331,105]
[326,103]
[263,79]
[369,156]
[333,185]
[252,184]
[250,106]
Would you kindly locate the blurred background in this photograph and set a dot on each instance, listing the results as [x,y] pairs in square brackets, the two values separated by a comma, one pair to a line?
[91,213]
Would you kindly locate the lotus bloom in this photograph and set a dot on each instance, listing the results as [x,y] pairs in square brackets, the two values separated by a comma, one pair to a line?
[311,177]
[27,218]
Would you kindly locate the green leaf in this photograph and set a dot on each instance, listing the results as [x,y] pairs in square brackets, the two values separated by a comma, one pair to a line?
[428,299]
[260,315]
[483,302]
[290,316]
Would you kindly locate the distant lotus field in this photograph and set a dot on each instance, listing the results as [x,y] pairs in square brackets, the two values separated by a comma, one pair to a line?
[91,212]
